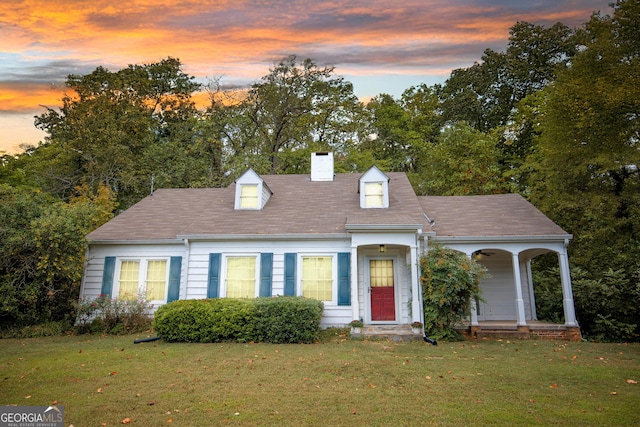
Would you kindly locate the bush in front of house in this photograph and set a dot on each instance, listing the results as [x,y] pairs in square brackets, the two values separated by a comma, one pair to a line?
[450,280]
[207,320]
[288,319]
[108,315]
[275,320]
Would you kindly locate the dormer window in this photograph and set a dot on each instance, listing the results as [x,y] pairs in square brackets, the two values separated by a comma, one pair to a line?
[374,189]
[251,192]
[249,196]
[373,195]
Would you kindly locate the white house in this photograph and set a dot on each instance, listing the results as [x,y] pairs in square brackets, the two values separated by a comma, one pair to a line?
[350,240]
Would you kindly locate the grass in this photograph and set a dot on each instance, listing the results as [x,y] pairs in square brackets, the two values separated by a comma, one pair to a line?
[105,380]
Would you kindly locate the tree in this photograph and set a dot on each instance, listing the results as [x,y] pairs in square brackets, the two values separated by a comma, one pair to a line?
[295,109]
[585,173]
[43,247]
[464,161]
[118,129]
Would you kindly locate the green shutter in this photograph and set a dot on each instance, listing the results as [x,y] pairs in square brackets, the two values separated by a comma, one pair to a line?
[107,276]
[175,269]
[266,273]
[290,274]
[344,278]
[213,284]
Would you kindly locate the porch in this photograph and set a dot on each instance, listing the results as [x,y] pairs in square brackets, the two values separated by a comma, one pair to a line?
[509,329]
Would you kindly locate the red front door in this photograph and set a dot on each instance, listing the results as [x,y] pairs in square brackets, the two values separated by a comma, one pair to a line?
[383,302]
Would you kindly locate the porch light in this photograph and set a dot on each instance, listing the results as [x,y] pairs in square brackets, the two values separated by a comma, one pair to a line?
[382,249]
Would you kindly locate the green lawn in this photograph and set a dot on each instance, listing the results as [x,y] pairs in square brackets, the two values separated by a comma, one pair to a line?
[106,380]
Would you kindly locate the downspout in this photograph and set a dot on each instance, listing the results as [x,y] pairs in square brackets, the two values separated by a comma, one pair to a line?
[420,300]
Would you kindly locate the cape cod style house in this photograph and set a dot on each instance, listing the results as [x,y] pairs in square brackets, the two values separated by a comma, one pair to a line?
[352,241]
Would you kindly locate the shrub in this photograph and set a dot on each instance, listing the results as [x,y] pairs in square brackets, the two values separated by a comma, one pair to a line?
[208,320]
[276,320]
[449,280]
[114,315]
[288,319]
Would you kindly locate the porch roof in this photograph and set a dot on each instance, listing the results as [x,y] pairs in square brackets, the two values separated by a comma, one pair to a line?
[500,215]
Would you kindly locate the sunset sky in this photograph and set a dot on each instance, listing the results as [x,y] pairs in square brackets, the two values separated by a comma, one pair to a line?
[381,46]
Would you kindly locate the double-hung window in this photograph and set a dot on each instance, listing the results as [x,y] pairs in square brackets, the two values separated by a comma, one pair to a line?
[145,278]
[241,277]
[373,194]
[249,196]
[317,277]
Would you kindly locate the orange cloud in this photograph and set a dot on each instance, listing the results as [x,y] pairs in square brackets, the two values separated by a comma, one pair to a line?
[42,41]
[28,98]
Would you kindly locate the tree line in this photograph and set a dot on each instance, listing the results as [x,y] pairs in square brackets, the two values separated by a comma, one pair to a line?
[553,117]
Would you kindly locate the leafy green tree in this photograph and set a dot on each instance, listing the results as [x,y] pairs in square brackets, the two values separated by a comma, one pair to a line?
[295,109]
[119,128]
[401,130]
[464,161]
[43,247]
[584,173]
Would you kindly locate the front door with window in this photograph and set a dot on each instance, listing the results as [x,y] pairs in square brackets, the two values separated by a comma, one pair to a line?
[383,303]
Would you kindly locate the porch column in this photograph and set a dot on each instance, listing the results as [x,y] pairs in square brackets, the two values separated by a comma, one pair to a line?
[520,316]
[474,313]
[473,306]
[416,316]
[567,292]
[532,295]
[355,305]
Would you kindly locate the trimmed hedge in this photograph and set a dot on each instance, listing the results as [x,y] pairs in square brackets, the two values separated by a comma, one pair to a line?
[275,320]
[288,319]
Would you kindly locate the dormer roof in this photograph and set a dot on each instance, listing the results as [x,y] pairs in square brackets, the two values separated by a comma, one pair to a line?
[252,193]
[373,187]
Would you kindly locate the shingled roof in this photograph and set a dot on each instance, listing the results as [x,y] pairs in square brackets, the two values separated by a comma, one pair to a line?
[481,216]
[298,206]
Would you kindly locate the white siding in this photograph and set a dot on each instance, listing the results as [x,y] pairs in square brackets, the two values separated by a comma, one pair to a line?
[92,279]
[198,268]
[498,291]
[195,269]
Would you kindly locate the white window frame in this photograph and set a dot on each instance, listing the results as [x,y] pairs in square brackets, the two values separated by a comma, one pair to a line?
[374,176]
[377,195]
[243,199]
[334,274]
[223,273]
[143,263]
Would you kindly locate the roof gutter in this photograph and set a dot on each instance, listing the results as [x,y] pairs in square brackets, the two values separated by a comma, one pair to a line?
[475,239]
[227,237]
[384,227]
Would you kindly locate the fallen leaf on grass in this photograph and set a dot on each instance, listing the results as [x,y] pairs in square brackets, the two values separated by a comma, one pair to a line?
[632,382]
[554,385]
[427,377]
[99,390]
[613,393]
[126,421]
[372,386]
[28,397]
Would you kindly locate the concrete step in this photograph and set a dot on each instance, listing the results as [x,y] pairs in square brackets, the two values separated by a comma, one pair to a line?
[388,332]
